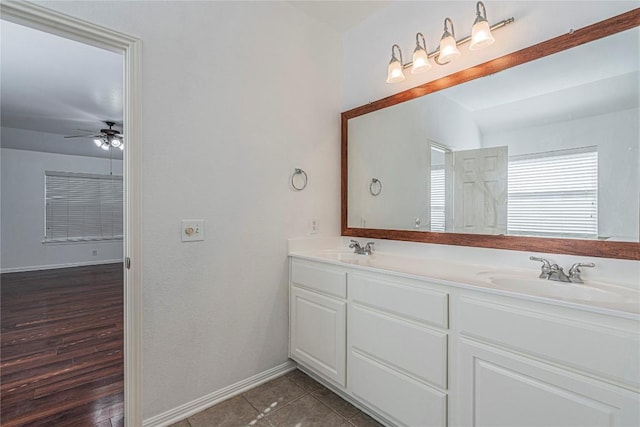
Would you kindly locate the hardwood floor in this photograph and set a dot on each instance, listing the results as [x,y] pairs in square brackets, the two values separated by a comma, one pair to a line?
[62,347]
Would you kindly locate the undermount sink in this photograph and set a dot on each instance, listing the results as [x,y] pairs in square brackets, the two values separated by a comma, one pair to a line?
[571,291]
[347,257]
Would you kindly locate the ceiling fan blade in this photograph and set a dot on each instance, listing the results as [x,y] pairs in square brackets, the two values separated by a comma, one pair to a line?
[84,136]
[86,130]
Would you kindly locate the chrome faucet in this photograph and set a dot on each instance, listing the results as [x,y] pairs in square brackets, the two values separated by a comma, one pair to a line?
[574,271]
[555,272]
[357,249]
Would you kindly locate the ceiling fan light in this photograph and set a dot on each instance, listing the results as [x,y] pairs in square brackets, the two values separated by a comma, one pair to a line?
[98,142]
[105,146]
[121,147]
[116,142]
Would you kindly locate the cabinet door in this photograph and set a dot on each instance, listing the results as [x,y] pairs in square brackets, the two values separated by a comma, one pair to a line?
[499,388]
[318,333]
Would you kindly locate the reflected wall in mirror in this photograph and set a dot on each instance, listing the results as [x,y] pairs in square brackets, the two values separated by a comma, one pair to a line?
[548,148]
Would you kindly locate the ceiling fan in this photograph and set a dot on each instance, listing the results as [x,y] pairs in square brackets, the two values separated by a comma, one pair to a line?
[106,138]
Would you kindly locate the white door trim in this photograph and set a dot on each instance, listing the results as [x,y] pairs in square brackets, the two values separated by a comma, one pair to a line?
[53,22]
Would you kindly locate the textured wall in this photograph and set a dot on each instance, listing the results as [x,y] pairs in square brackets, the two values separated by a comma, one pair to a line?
[235,96]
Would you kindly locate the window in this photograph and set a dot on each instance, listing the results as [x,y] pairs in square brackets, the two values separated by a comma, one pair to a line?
[82,207]
[554,194]
[437,199]
[438,181]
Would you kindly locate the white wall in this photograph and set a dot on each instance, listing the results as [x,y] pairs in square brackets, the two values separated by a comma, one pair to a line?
[235,96]
[616,136]
[22,217]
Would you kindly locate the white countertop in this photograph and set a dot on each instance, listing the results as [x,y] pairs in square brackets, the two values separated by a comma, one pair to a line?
[594,296]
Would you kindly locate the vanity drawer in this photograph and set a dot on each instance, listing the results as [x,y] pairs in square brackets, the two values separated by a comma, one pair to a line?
[403,400]
[421,305]
[332,281]
[413,349]
[604,351]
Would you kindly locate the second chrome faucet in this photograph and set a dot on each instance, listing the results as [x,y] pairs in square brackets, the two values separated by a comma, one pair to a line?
[555,272]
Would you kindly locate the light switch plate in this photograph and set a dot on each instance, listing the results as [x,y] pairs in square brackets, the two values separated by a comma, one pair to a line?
[192,230]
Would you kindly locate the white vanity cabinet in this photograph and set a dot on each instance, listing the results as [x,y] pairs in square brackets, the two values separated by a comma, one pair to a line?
[418,352]
[397,349]
[318,313]
[527,365]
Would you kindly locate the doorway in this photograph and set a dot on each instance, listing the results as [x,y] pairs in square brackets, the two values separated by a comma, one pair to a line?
[40,18]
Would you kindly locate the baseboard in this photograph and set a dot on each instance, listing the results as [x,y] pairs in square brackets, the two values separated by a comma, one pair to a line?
[54,266]
[190,408]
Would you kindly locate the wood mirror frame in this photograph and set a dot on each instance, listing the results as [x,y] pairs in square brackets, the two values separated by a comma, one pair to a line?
[595,248]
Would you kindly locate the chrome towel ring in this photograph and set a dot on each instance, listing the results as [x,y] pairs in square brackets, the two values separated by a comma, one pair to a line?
[375,187]
[296,172]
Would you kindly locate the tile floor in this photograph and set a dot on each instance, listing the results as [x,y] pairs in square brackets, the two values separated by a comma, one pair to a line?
[294,400]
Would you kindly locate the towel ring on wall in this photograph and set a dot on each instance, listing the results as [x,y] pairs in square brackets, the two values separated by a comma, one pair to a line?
[299,171]
[377,183]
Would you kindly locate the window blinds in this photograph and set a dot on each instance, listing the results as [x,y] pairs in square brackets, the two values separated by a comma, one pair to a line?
[437,198]
[81,207]
[554,194]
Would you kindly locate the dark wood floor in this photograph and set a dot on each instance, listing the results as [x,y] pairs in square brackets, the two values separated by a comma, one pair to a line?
[62,347]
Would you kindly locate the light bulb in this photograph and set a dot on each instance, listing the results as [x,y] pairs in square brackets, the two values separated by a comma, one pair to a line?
[481,36]
[116,142]
[420,61]
[448,46]
[105,146]
[394,73]
[448,49]
[121,147]
[98,142]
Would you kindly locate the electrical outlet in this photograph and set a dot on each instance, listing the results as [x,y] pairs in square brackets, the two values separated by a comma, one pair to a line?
[192,230]
[314,226]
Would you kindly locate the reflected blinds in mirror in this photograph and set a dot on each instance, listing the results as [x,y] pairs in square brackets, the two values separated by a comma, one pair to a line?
[554,194]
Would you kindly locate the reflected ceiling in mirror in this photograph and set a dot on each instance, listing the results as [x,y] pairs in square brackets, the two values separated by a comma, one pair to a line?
[548,149]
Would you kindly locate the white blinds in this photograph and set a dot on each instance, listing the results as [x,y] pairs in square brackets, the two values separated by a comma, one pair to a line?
[82,207]
[437,199]
[554,194]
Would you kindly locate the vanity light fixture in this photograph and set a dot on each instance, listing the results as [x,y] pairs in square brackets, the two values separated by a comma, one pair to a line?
[480,37]
[481,33]
[420,56]
[448,46]
[394,72]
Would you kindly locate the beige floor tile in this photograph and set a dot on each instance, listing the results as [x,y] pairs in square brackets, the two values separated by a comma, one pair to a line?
[335,402]
[304,381]
[183,423]
[306,412]
[273,395]
[234,412]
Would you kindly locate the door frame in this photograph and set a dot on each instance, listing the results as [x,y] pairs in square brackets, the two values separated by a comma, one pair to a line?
[50,21]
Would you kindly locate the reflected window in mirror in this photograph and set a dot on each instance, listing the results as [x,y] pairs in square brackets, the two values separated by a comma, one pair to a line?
[554,194]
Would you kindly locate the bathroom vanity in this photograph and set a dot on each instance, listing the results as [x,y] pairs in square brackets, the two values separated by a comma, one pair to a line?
[428,342]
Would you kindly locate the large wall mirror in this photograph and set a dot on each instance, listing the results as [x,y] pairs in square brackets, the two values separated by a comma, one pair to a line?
[538,150]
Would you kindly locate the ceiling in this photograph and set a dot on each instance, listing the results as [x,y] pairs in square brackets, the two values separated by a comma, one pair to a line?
[58,86]
[588,80]
[340,15]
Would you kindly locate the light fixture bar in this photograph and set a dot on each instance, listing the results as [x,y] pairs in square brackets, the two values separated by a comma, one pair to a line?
[462,41]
